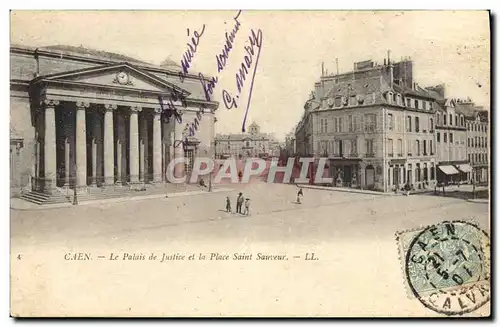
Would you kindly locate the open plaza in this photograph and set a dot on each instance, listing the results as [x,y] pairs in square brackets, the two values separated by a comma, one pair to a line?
[352,235]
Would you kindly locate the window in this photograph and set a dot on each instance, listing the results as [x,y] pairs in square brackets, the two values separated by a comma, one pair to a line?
[354,148]
[337,102]
[325,128]
[417,173]
[408,124]
[445,137]
[370,122]
[432,171]
[444,119]
[470,159]
[390,149]
[416,104]
[462,120]
[369,148]
[425,147]
[451,119]
[390,122]
[394,98]
[351,124]
[468,141]
[400,147]
[451,137]
[475,141]
[417,124]
[431,149]
[431,121]
[247,143]
[408,147]
[408,102]
[456,120]
[438,136]
[418,148]
[425,172]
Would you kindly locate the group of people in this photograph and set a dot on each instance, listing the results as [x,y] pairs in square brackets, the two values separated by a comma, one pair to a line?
[239,204]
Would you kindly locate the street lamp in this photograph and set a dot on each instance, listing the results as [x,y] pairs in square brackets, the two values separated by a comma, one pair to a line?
[211,170]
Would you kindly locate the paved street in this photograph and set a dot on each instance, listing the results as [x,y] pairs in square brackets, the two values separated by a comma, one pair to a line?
[351,234]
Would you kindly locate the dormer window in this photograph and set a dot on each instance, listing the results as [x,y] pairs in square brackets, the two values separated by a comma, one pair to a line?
[399,102]
[415,104]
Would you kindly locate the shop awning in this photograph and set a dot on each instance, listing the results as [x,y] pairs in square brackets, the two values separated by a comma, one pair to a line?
[448,170]
[465,168]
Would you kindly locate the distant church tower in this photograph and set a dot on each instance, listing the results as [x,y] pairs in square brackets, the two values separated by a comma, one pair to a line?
[254,129]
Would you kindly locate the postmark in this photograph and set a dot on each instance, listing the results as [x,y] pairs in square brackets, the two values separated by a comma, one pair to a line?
[447,266]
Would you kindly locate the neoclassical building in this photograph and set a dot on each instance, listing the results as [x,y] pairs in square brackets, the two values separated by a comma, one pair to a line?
[89,119]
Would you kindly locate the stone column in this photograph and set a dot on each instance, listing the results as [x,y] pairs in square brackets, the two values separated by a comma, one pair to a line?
[143,151]
[109,154]
[81,144]
[50,163]
[134,144]
[97,134]
[157,146]
[119,147]
[178,149]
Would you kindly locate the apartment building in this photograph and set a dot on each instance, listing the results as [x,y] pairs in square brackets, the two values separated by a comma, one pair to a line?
[375,126]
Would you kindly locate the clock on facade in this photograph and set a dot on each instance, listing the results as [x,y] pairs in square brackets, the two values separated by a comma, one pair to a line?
[122,78]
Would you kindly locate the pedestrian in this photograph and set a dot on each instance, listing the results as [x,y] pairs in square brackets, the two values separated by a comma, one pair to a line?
[247,206]
[228,204]
[239,202]
[299,194]
[407,189]
[202,184]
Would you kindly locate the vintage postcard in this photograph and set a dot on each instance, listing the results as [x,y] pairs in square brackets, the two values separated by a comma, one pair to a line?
[250,163]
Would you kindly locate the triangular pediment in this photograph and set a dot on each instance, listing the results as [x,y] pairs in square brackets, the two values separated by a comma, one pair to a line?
[122,75]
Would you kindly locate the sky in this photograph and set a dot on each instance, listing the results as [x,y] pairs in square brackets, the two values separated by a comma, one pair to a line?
[451,47]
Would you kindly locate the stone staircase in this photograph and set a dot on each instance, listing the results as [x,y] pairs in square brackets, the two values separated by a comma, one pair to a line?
[99,193]
[42,198]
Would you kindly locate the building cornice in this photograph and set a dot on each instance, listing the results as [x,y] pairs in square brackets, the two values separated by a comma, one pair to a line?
[101,61]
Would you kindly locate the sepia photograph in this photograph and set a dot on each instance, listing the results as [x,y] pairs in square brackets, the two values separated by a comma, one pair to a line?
[250,163]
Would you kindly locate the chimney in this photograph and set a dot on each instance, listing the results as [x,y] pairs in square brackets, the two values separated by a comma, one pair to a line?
[322,69]
[391,72]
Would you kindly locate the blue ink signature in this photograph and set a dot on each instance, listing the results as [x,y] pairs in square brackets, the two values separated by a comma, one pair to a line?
[255,39]
[188,55]
[221,60]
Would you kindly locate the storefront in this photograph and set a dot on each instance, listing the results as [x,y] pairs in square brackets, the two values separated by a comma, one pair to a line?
[447,174]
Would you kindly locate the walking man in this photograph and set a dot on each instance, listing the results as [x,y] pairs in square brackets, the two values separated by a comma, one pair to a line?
[239,202]
[228,204]
[299,194]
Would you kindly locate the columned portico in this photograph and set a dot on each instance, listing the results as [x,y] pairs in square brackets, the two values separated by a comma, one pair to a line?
[107,135]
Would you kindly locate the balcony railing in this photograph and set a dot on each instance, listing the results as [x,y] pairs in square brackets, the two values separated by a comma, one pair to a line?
[370,155]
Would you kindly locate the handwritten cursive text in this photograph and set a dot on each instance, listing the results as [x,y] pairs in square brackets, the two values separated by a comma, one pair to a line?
[252,53]
[188,55]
